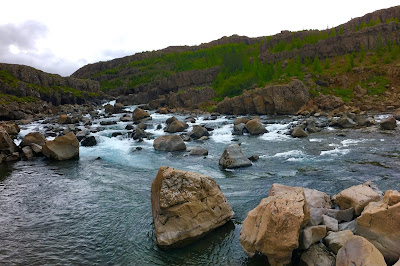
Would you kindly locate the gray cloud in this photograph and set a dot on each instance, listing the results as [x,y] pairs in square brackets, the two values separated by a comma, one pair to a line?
[24,37]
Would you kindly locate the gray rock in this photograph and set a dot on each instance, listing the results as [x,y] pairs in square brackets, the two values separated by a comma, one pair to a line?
[388,123]
[316,215]
[346,122]
[198,151]
[89,141]
[169,143]
[317,255]
[233,157]
[27,152]
[255,127]
[239,129]
[341,215]
[351,226]
[198,132]
[331,223]
[298,132]
[311,235]
[335,240]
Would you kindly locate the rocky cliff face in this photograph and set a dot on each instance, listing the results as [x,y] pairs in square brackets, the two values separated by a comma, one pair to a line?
[179,81]
[23,81]
[276,99]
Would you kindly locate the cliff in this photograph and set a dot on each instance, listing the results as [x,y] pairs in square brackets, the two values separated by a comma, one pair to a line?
[29,84]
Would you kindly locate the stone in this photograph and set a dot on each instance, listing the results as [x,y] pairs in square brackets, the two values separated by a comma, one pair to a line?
[176,126]
[358,251]
[108,108]
[37,149]
[139,134]
[331,223]
[33,137]
[118,108]
[89,141]
[396,114]
[162,110]
[171,119]
[255,127]
[380,224]
[317,255]
[388,123]
[15,156]
[186,206]
[298,132]
[198,151]
[169,143]
[397,263]
[241,120]
[335,240]
[254,158]
[198,132]
[341,215]
[233,157]
[27,152]
[81,134]
[239,129]
[273,227]
[316,215]
[64,119]
[357,197]
[346,122]
[125,118]
[139,114]
[10,127]
[142,126]
[203,138]
[315,198]
[312,234]
[351,226]
[6,143]
[62,148]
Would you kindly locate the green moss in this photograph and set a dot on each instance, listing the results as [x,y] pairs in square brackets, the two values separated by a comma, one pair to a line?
[8,78]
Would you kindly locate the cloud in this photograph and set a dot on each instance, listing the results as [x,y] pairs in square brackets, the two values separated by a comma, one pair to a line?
[19,45]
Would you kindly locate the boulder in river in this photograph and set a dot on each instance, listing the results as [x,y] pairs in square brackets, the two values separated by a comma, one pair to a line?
[33,137]
[273,227]
[176,126]
[62,148]
[169,143]
[388,123]
[88,141]
[186,206]
[380,224]
[233,157]
[298,132]
[139,114]
[317,254]
[198,151]
[198,132]
[64,119]
[255,127]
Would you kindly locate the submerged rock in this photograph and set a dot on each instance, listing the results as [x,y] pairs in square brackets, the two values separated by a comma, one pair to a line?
[169,143]
[273,227]
[233,157]
[185,206]
[298,132]
[62,148]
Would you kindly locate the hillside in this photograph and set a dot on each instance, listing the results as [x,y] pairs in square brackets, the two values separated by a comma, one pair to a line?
[25,89]
[362,52]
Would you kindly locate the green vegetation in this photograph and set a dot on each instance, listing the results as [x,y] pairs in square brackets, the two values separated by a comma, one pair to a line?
[376,85]
[6,99]
[8,78]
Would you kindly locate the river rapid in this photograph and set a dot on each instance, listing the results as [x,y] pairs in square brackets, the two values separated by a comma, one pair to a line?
[97,210]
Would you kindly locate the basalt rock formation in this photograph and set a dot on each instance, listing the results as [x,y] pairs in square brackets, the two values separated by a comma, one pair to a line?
[276,99]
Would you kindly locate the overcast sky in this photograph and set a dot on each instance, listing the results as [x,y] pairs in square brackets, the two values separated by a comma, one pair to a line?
[61,36]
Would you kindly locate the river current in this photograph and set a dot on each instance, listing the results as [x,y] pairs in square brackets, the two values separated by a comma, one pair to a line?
[97,210]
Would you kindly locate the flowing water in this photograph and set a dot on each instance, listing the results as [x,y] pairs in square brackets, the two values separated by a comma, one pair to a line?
[97,210]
